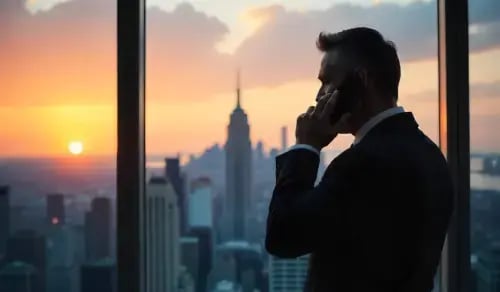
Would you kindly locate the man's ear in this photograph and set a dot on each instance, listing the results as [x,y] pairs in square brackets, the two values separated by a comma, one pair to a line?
[363,76]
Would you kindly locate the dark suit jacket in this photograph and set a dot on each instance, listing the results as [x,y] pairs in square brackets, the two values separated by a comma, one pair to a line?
[378,218]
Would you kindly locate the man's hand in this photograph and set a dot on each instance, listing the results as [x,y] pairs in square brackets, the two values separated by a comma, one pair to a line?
[314,127]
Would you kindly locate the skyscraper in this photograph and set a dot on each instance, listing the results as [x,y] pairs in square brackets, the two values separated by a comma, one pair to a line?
[205,239]
[189,252]
[288,275]
[62,266]
[162,236]
[55,209]
[18,277]
[259,152]
[238,172]
[98,229]
[201,224]
[98,276]
[200,206]
[4,217]
[245,265]
[176,178]
[28,247]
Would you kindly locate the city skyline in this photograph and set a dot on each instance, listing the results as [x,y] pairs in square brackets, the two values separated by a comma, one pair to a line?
[62,191]
[72,75]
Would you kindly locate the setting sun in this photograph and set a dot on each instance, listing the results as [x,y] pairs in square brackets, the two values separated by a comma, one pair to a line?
[75,147]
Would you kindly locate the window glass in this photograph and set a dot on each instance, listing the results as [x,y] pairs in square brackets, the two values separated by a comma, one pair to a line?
[58,133]
[484,78]
[225,83]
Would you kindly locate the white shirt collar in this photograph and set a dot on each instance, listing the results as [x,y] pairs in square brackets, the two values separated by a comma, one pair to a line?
[371,123]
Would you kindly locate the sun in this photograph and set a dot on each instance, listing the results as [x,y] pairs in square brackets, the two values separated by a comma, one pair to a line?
[75,147]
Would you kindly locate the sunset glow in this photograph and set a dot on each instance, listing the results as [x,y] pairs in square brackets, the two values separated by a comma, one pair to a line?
[75,147]
[66,89]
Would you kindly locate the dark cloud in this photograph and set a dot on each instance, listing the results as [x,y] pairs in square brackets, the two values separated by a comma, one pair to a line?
[286,43]
[484,11]
[182,63]
[73,46]
[487,37]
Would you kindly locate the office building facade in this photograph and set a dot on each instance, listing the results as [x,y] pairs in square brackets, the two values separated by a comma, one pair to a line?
[162,236]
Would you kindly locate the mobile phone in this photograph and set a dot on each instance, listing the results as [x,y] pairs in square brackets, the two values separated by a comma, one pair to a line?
[349,93]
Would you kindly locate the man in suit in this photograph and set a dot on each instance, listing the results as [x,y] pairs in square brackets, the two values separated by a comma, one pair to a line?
[378,218]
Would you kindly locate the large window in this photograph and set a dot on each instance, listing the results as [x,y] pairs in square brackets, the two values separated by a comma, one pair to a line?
[58,145]
[224,86]
[225,83]
[484,53]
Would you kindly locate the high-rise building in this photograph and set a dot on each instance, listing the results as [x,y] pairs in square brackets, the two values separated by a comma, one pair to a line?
[18,277]
[244,265]
[177,179]
[162,236]
[284,138]
[4,218]
[55,209]
[190,256]
[238,172]
[288,275]
[259,152]
[200,206]
[273,153]
[201,227]
[62,265]
[186,282]
[30,248]
[98,229]
[205,239]
[98,276]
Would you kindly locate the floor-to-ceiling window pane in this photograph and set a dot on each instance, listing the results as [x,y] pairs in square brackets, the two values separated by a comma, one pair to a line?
[58,145]
[225,83]
[484,54]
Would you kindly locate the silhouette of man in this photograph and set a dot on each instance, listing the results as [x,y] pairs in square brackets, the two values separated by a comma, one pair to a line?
[378,218]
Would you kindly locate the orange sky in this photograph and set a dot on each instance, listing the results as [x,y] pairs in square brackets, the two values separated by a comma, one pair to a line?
[59,84]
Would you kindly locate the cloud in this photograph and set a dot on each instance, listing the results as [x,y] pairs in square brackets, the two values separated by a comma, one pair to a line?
[68,54]
[484,11]
[286,43]
[65,55]
[485,90]
[182,63]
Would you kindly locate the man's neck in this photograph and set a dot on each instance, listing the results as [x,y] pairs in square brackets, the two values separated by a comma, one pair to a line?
[372,111]
[373,121]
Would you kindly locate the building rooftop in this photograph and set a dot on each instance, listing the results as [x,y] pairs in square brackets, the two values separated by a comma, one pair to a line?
[17,268]
[158,180]
[104,262]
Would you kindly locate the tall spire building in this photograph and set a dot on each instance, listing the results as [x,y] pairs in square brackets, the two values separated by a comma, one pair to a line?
[238,171]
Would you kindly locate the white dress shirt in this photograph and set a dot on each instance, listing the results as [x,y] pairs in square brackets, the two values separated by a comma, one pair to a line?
[370,124]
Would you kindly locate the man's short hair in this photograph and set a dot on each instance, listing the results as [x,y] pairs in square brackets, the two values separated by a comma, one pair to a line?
[368,47]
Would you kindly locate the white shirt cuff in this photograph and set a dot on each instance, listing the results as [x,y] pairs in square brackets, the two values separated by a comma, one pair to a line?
[303,146]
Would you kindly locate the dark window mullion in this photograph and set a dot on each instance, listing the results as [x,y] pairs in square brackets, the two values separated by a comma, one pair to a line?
[454,137]
[130,156]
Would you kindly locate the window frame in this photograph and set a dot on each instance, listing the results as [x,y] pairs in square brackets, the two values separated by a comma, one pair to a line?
[130,168]
[454,137]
